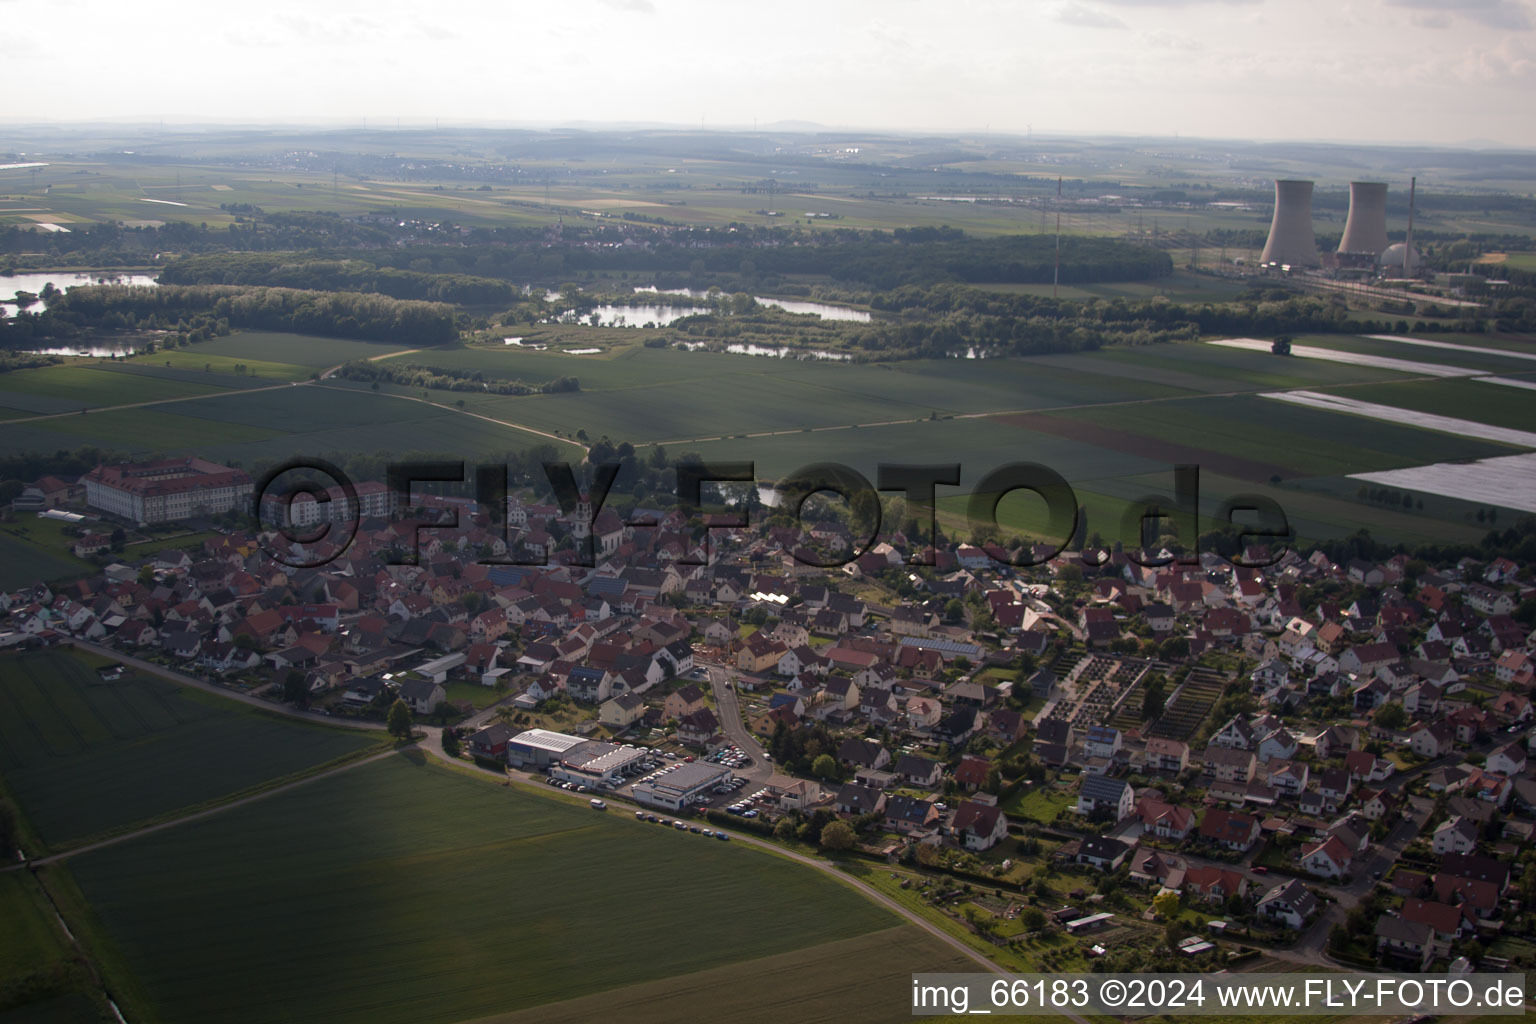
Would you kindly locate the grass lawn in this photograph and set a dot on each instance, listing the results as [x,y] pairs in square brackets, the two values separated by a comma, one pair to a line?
[402,891]
[474,693]
[1040,802]
[82,756]
[48,535]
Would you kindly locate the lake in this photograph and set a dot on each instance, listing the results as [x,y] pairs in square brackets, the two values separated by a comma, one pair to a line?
[821,309]
[62,279]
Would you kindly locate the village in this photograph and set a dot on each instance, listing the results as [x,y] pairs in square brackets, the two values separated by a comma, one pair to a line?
[1325,761]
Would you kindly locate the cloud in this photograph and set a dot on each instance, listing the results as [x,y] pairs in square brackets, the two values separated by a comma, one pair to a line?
[1178,3]
[1505,14]
[639,6]
[1072,13]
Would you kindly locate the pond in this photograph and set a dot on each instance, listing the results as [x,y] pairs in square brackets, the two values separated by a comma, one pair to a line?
[821,309]
[61,279]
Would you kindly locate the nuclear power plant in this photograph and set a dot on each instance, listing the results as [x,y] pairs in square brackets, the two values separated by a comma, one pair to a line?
[1365,232]
[1364,247]
[1291,241]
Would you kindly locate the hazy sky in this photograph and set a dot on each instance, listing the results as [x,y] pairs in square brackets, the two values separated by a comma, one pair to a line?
[1442,71]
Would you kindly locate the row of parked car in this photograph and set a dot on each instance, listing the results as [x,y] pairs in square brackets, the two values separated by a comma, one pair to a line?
[731,785]
[681,826]
[732,757]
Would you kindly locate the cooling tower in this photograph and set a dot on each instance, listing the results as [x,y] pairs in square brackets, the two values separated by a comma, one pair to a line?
[1291,241]
[1366,229]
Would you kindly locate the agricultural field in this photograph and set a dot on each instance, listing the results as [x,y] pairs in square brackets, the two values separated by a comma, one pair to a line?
[495,887]
[23,562]
[1462,399]
[84,385]
[82,756]
[1246,436]
[853,980]
[1465,356]
[39,977]
[280,348]
[276,423]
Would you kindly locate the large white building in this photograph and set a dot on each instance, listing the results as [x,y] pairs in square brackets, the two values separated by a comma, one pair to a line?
[168,490]
[374,500]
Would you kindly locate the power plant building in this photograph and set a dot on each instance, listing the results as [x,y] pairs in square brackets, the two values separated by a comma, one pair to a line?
[1365,232]
[1291,240]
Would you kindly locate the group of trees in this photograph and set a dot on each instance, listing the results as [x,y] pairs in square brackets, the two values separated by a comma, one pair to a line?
[333,314]
[418,376]
[290,270]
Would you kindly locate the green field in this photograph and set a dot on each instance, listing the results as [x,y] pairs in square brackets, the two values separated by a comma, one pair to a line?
[1107,420]
[284,349]
[22,563]
[89,385]
[1464,399]
[199,358]
[864,979]
[1480,361]
[37,964]
[277,423]
[83,757]
[1302,440]
[401,891]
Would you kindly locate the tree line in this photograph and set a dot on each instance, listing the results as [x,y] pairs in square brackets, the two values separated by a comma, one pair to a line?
[418,376]
[288,270]
[369,317]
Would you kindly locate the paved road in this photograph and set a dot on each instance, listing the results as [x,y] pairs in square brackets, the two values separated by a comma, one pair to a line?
[735,729]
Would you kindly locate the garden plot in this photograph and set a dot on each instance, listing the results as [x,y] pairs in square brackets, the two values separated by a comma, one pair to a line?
[1408,417]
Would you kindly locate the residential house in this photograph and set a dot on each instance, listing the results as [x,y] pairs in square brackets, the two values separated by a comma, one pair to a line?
[1102,852]
[979,823]
[1102,795]
[1329,858]
[1165,755]
[1229,764]
[1229,830]
[1290,903]
[1455,835]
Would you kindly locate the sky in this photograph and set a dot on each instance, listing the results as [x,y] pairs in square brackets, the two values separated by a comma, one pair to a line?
[1449,72]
